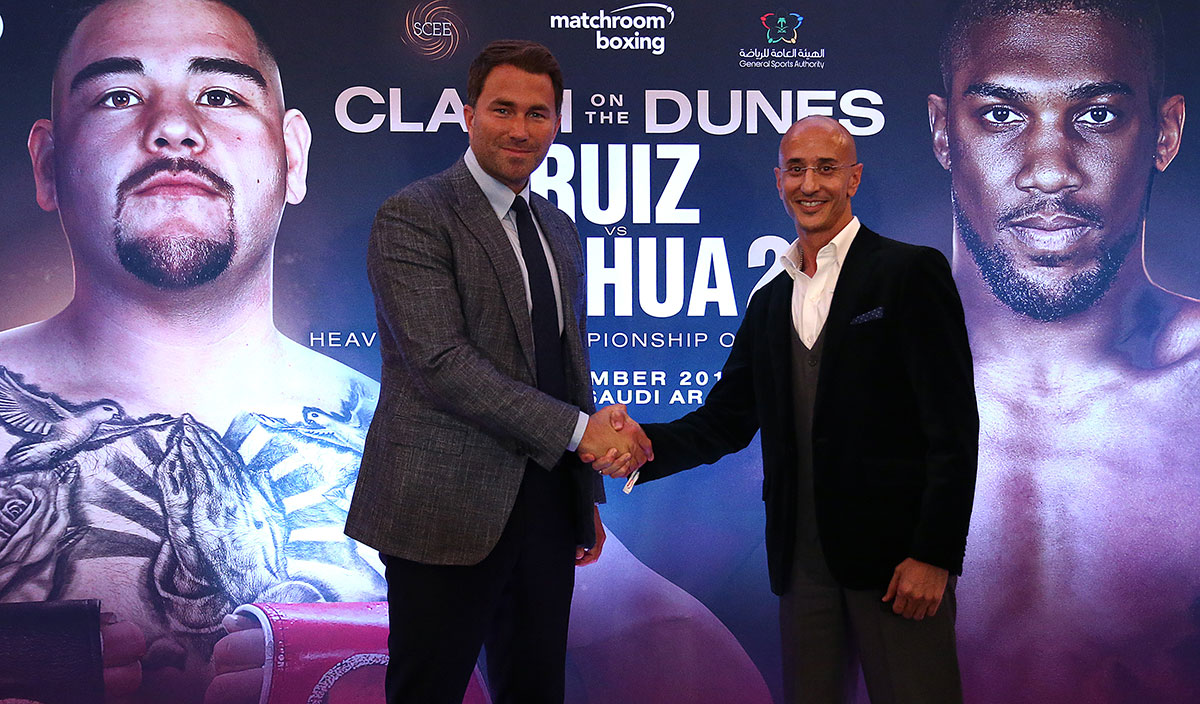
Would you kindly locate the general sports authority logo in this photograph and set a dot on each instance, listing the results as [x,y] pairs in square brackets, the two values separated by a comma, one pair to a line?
[781,27]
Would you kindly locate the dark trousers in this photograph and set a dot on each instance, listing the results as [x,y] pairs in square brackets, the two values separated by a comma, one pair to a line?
[515,603]
[828,632]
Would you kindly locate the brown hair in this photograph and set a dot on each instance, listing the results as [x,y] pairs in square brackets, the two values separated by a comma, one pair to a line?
[528,56]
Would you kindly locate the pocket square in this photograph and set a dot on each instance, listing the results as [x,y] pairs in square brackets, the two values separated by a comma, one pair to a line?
[873,314]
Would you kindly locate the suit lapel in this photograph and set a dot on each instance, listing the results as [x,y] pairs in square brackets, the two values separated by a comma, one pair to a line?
[854,276]
[779,332]
[476,213]
[779,328]
[564,246]
[563,251]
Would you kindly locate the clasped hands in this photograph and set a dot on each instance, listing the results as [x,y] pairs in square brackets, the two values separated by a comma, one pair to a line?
[613,443]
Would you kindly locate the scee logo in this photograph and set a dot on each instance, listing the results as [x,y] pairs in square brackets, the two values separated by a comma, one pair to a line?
[433,29]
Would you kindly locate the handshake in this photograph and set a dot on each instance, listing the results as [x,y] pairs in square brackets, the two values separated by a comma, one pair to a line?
[613,443]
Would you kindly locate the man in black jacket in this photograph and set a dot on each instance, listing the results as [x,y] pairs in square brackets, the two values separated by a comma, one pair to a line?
[869,427]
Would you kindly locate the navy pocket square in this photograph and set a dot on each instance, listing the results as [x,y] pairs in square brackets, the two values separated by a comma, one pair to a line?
[873,314]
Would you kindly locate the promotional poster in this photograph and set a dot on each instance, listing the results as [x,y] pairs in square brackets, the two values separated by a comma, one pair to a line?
[188,461]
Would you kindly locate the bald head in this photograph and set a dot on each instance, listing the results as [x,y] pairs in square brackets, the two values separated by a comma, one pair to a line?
[820,127]
[817,175]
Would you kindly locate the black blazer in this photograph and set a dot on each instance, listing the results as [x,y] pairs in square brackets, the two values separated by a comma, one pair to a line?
[895,427]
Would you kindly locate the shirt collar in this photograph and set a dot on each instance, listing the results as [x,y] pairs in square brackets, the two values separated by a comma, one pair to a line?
[793,258]
[500,197]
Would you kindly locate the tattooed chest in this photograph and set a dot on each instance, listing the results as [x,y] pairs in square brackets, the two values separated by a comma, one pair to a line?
[211,520]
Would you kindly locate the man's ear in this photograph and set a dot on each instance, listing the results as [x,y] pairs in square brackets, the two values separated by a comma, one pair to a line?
[1170,131]
[41,153]
[855,179]
[297,136]
[937,129]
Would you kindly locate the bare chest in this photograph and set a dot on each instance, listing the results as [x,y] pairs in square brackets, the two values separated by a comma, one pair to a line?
[1085,536]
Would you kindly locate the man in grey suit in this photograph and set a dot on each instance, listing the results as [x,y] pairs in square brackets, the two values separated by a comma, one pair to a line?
[468,485]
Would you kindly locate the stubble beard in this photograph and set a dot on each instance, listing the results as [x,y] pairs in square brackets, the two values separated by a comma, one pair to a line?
[1044,302]
[175,262]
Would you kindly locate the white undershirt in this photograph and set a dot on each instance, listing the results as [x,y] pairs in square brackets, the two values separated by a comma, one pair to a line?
[501,198]
[811,296]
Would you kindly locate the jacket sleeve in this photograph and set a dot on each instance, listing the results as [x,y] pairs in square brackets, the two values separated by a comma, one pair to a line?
[938,359]
[727,421]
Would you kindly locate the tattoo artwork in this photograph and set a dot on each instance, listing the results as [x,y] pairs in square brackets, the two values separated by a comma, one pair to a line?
[207,520]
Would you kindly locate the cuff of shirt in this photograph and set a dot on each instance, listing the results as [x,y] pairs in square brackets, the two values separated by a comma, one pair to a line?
[577,437]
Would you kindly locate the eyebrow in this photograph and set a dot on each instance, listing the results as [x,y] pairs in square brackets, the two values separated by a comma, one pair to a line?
[1080,92]
[995,90]
[231,67]
[512,104]
[105,67]
[1096,89]
[819,161]
[198,64]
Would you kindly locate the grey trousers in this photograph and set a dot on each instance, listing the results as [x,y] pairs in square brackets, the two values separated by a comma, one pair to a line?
[829,632]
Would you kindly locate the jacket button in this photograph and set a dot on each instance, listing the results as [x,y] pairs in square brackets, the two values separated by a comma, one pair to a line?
[812,361]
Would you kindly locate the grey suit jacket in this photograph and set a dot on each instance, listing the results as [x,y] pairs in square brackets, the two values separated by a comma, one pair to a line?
[459,413]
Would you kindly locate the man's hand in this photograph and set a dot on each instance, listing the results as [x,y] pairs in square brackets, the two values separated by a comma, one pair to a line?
[224,539]
[614,443]
[238,659]
[122,645]
[586,556]
[917,588]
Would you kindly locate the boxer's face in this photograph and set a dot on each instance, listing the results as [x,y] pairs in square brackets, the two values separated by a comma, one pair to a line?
[1049,134]
[170,152]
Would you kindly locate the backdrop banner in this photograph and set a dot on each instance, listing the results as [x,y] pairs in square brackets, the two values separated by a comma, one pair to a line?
[162,451]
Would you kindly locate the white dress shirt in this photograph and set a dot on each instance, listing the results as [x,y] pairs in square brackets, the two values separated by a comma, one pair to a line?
[811,296]
[501,198]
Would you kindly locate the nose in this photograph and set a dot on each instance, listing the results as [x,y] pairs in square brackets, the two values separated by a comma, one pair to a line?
[808,181]
[518,128]
[174,129]
[1049,163]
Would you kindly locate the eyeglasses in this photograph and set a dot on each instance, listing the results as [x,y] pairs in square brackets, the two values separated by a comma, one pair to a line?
[821,170]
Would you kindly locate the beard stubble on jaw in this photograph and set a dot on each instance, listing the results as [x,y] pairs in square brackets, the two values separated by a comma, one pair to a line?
[168,260]
[1028,297]
[175,262]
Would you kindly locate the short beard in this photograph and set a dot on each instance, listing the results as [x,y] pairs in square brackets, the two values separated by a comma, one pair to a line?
[175,263]
[1026,296]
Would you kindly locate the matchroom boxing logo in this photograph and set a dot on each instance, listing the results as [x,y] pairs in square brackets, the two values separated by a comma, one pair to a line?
[637,27]
[434,31]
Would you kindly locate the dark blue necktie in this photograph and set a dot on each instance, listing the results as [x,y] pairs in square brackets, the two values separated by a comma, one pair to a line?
[547,340]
